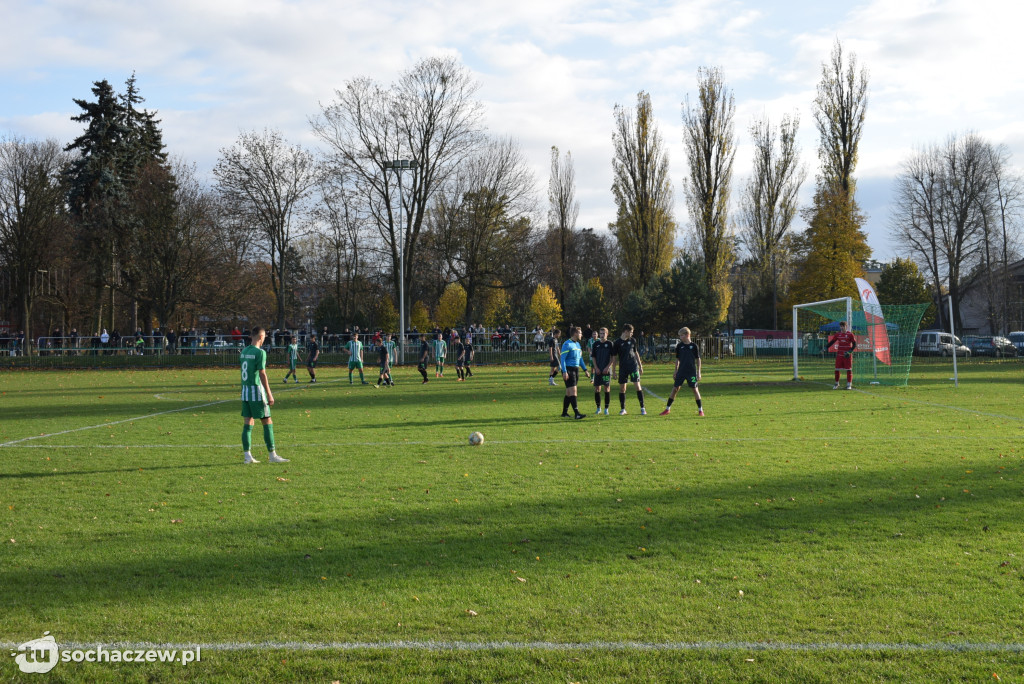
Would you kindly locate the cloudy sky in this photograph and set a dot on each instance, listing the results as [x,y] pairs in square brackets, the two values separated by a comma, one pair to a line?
[550,71]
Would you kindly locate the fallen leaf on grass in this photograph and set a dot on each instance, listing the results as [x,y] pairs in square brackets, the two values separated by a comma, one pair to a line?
[283,479]
[471,613]
[176,520]
[521,579]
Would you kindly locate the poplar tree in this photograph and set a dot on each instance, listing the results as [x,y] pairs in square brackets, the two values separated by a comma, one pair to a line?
[837,243]
[710,141]
[644,225]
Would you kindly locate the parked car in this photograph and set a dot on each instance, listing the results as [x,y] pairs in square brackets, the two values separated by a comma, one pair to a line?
[224,344]
[990,346]
[938,343]
[1017,339]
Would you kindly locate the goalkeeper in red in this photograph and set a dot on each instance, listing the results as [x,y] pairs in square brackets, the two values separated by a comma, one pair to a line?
[845,343]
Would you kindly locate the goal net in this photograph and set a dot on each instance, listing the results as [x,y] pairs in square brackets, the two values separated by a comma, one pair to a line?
[884,347]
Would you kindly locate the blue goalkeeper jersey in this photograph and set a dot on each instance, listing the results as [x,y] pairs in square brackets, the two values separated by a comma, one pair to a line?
[572,355]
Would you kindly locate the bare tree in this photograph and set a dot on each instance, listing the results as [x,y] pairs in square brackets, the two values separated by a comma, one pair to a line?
[1007,189]
[563,208]
[644,225]
[344,232]
[177,222]
[269,182]
[429,115]
[941,211]
[917,214]
[710,142]
[769,201]
[31,215]
[484,219]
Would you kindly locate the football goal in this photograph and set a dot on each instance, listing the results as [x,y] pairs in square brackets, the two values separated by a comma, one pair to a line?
[885,340]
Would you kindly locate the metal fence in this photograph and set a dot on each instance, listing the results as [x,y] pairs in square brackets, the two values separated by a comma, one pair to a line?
[516,346]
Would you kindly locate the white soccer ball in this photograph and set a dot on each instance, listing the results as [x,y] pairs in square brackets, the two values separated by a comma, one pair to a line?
[476,439]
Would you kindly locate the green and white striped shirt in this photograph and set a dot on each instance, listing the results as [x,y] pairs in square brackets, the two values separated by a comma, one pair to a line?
[254,360]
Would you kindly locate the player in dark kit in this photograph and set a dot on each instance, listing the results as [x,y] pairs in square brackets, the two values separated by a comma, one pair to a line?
[312,354]
[630,368]
[424,358]
[554,355]
[601,357]
[845,343]
[384,352]
[460,360]
[687,370]
[467,341]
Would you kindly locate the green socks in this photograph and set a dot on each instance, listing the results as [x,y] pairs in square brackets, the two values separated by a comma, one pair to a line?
[268,437]
[246,437]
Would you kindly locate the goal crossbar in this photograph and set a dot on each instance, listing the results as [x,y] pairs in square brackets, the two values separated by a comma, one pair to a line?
[796,334]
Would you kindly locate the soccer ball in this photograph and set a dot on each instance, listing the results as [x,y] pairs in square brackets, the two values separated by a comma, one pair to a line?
[476,439]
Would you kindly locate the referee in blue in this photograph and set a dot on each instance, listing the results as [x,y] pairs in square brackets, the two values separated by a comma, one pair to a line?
[571,363]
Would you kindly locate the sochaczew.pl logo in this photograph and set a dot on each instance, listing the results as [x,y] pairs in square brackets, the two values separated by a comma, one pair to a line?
[39,656]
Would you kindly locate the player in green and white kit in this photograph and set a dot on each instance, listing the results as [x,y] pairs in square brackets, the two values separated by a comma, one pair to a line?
[292,352]
[392,348]
[257,397]
[440,350]
[355,358]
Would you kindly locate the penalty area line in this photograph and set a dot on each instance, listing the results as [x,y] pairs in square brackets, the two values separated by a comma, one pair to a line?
[933,647]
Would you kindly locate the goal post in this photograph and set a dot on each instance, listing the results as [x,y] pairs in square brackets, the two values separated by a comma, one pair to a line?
[885,339]
[796,333]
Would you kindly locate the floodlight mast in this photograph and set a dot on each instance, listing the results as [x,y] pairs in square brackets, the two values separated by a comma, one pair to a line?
[399,165]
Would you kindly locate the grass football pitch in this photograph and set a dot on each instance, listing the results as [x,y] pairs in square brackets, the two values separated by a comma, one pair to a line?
[793,534]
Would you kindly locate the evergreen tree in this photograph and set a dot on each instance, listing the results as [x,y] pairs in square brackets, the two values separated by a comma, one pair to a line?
[901,282]
[684,297]
[97,188]
[119,145]
[586,304]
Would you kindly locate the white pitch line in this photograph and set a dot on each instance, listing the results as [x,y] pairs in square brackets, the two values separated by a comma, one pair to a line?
[673,440]
[927,647]
[113,422]
[647,389]
[15,442]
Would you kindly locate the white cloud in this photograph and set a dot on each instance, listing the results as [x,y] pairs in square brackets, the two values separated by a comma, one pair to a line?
[550,71]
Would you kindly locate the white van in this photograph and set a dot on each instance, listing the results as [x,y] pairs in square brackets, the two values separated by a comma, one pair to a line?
[1017,338]
[938,343]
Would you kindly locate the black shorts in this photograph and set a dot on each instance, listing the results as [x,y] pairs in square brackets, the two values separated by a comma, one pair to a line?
[574,376]
[686,377]
[311,364]
[556,364]
[602,380]
[422,365]
[459,363]
[626,376]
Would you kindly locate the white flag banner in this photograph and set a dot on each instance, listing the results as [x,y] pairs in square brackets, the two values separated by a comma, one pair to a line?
[877,333]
